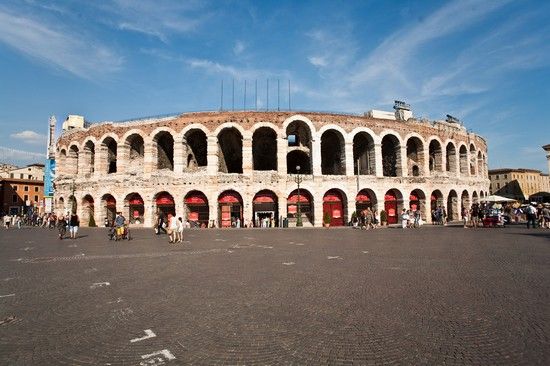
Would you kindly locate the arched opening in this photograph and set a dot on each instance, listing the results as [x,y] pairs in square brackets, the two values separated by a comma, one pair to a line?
[264,149]
[197,207]
[417,201]
[436,201]
[62,163]
[450,164]
[196,143]
[393,204]
[265,209]
[452,206]
[366,198]
[164,150]
[479,164]
[306,207]
[299,139]
[474,197]
[415,156]
[364,161]
[60,207]
[165,204]
[463,160]
[72,162]
[108,204]
[333,156]
[135,146]
[87,213]
[472,160]
[109,145]
[89,156]
[298,158]
[481,194]
[135,208]
[465,200]
[391,156]
[73,206]
[334,205]
[230,213]
[230,147]
[435,162]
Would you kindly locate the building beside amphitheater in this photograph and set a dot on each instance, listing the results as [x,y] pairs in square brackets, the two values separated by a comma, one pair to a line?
[215,167]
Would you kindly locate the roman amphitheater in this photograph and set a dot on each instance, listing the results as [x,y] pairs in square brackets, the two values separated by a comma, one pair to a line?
[213,168]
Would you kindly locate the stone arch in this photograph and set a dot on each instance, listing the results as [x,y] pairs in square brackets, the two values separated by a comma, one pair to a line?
[299,135]
[335,205]
[480,164]
[60,206]
[197,208]
[393,204]
[415,156]
[134,208]
[453,210]
[463,159]
[87,211]
[299,118]
[230,148]
[270,125]
[465,200]
[436,200]
[365,198]
[472,162]
[391,156]
[88,156]
[306,207]
[435,156]
[163,150]
[134,148]
[109,147]
[333,153]
[475,198]
[264,149]
[265,209]
[108,207]
[196,147]
[450,154]
[230,209]
[72,160]
[364,156]
[164,204]
[62,161]
[229,125]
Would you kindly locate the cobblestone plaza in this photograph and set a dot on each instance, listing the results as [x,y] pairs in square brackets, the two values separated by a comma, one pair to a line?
[283,296]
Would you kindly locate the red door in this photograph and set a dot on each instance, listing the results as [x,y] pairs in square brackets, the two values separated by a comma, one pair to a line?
[332,203]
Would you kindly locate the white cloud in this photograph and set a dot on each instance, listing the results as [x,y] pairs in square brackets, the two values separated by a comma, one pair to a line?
[61,48]
[239,48]
[30,137]
[318,61]
[14,156]
[213,67]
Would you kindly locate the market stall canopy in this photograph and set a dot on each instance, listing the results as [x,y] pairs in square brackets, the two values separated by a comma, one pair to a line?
[495,198]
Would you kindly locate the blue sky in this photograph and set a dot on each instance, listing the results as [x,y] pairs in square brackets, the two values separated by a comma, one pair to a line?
[485,62]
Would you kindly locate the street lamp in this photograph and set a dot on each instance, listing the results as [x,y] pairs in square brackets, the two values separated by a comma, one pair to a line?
[298,179]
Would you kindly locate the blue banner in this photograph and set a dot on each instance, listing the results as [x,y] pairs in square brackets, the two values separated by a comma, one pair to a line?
[49,175]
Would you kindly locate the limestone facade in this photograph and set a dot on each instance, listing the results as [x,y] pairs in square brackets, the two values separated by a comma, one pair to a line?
[212,167]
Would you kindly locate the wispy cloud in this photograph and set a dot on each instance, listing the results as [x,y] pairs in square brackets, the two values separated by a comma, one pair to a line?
[239,47]
[65,49]
[29,137]
[241,73]
[14,156]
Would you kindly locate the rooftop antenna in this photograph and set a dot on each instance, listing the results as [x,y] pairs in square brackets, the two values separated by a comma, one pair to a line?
[267,103]
[233,92]
[256,95]
[278,98]
[244,96]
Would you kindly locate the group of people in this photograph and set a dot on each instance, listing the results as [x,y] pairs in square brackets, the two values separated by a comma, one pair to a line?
[411,218]
[366,219]
[118,228]
[538,216]
[473,217]
[70,222]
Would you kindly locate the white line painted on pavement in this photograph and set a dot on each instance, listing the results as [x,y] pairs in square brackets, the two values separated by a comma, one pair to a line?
[289,263]
[100,284]
[148,334]
[365,251]
[167,354]
[7,295]
[334,257]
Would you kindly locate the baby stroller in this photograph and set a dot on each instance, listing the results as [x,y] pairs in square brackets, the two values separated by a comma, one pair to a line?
[122,233]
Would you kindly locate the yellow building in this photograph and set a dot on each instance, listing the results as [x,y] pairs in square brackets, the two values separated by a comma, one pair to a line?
[518,183]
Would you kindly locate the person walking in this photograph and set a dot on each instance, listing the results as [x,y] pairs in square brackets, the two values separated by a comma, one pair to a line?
[465,217]
[531,213]
[172,228]
[74,223]
[179,234]
[61,226]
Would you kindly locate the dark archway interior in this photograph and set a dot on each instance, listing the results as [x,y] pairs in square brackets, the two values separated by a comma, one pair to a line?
[390,156]
[435,156]
[137,148]
[298,158]
[89,150]
[165,151]
[230,144]
[415,156]
[463,160]
[450,165]
[264,149]
[111,145]
[197,148]
[363,154]
[332,153]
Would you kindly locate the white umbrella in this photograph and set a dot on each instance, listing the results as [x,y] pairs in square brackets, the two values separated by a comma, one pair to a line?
[495,198]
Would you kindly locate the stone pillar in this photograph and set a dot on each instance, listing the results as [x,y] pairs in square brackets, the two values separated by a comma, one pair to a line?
[426,167]
[318,209]
[248,166]
[149,214]
[282,209]
[180,207]
[247,210]
[149,157]
[379,170]
[212,156]
[213,211]
[281,156]
[349,158]
[179,157]
[101,166]
[123,158]
[351,209]
[443,160]
[404,162]
[316,157]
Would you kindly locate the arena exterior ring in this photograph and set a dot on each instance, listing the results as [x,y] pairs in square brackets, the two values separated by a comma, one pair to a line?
[211,167]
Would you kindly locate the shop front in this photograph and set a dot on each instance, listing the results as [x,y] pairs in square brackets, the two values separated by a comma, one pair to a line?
[110,207]
[333,205]
[136,209]
[196,204]
[390,206]
[265,209]
[230,213]
[306,206]
[165,204]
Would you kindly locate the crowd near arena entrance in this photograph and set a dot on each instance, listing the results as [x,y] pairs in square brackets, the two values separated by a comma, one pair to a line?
[230,209]
[265,209]
[196,204]
[333,205]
